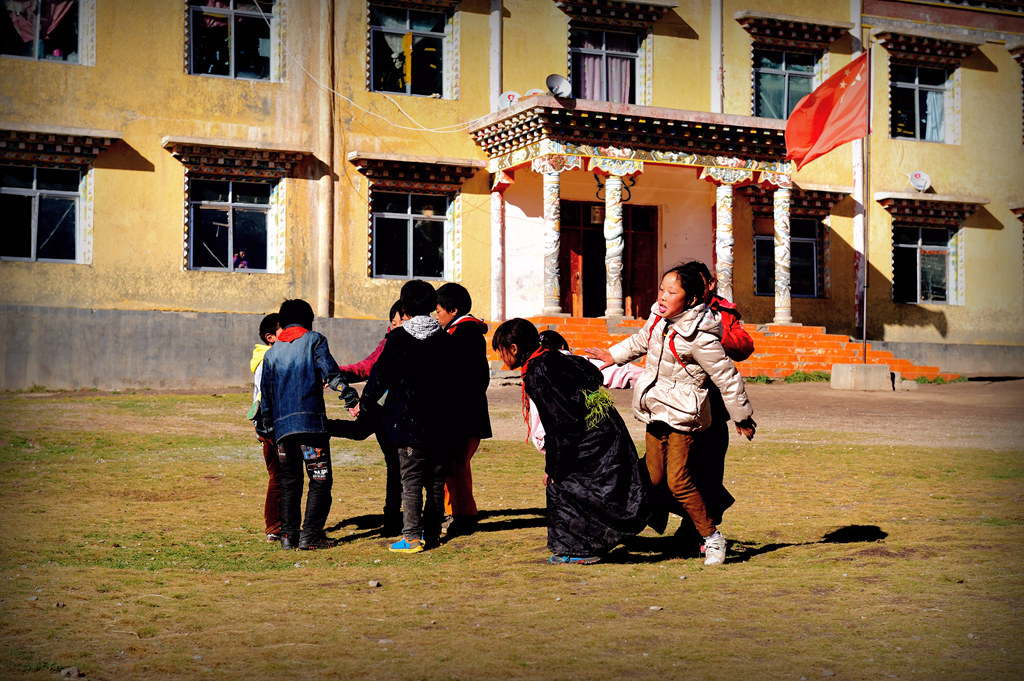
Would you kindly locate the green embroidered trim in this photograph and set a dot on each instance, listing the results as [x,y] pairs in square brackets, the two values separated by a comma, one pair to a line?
[599,403]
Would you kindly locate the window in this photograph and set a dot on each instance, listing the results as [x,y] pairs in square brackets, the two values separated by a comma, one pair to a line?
[409,233]
[604,65]
[805,269]
[781,80]
[407,51]
[920,264]
[917,102]
[228,224]
[231,38]
[40,209]
[41,29]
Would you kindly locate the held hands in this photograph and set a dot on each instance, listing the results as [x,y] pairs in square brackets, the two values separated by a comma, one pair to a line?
[603,355]
[354,411]
[746,427]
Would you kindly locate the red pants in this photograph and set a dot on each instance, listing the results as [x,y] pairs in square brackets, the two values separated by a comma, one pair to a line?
[272,505]
[458,486]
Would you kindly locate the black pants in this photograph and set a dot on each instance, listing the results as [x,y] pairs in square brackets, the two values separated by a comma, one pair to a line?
[422,469]
[312,453]
[360,429]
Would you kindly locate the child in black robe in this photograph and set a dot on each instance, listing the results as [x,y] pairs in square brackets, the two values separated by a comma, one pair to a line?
[594,480]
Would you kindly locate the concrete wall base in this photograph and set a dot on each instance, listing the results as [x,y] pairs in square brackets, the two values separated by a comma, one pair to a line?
[960,358]
[861,377]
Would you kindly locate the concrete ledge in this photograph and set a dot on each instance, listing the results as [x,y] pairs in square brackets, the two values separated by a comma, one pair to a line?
[861,377]
[960,358]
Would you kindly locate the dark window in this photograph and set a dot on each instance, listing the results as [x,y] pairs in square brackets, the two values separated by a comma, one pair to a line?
[408,234]
[781,80]
[231,38]
[228,224]
[407,51]
[604,65]
[920,264]
[805,260]
[917,102]
[40,29]
[40,209]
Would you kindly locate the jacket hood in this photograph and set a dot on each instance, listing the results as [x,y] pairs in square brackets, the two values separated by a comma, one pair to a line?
[467,322]
[257,356]
[422,327]
[698,318]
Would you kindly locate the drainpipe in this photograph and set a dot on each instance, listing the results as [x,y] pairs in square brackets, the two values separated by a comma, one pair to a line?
[717,75]
[495,53]
[325,148]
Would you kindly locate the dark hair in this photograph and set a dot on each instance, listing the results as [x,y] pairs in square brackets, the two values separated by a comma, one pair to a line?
[700,268]
[552,340]
[268,325]
[417,298]
[454,298]
[295,311]
[395,309]
[692,283]
[520,333]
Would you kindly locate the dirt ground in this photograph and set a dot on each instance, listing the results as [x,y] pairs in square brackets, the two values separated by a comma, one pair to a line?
[983,414]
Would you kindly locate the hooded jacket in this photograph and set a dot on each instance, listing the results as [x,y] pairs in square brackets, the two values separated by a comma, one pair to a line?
[684,354]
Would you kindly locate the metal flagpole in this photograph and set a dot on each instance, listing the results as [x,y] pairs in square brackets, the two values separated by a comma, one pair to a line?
[865,203]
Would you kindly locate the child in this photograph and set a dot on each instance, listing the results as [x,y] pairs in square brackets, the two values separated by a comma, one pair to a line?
[292,414]
[595,484]
[681,341]
[470,374]
[412,370]
[272,503]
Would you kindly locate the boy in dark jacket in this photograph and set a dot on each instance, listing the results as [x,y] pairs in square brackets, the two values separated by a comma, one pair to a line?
[470,375]
[412,370]
[293,416]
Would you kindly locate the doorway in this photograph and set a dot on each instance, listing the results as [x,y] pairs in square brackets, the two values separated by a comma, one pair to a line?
[581,259]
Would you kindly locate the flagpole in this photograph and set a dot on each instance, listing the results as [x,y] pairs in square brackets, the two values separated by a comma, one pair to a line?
[866,205]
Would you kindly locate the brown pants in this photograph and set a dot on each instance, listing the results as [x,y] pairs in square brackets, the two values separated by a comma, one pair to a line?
[667,457]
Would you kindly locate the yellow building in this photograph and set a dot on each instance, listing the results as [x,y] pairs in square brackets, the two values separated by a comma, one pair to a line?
[173,170]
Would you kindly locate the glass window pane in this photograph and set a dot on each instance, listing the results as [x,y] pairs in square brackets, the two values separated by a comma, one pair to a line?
[803,229]
[16,241]
[620,42]
[771,90]
[388,17]
[933,276]
[389,202]
[620,79]
[252,48]
[427,65]
[55,231]
[16,176]
[390,247]
[587,77]
[902,73]
[904,275]
[426,21]
[210,46]
[764,262]
[905,235]
[931,108]
[62,180]
[209,237]
[428,248]
[267,6]
[58,28]
[934,237]
[18,29]
[388,62]
[799,87]
[768,59]
[803,270]
[250,240]
[427,204]
[586,39]
[930,76]
[208,190]
[251,192]
[901,103]
[800,62]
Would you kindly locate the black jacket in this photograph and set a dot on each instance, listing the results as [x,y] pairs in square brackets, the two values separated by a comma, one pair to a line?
[471,376]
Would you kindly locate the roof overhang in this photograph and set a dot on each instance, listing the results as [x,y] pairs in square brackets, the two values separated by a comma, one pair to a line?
[56,147]
[425,173]
[242,159]
[936,210]
[622,13]
[785,30]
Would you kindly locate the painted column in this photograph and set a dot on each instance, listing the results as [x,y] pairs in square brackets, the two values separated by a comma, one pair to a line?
[502,181]
[552,216]
[724,240]
[613,246]
[783,307]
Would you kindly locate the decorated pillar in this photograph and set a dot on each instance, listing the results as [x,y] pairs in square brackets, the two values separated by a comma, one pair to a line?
[552,166]
[617,169]
[783,306]
[724,240]
[502,181]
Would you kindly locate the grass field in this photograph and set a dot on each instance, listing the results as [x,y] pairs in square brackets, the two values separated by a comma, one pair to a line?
[131,548]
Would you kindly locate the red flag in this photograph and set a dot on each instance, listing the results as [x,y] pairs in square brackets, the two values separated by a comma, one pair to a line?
[835,113]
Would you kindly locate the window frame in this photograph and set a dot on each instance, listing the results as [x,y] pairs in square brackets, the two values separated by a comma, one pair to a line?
[920,248]
[811,76]
[917,88]
[441,217]
[231,13]
[231,206]
[636,59]
[35,194]
[446,49]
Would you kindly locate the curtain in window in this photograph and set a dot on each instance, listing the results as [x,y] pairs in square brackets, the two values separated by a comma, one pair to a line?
[933,116]
[620,79]
[395,40]
[23,18]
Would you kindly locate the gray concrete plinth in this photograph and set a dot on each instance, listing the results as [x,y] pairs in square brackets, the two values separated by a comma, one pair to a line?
[861,377]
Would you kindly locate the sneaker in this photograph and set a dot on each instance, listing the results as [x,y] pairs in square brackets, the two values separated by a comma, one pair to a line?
[288,542]
[273,537]
[714,549]
[555,559]
[322,542]
[403,545]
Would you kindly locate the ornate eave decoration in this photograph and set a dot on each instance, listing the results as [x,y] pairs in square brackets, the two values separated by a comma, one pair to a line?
[544,125]
[929,210]
[217,160]
[1018,53]
[418,173]
[633,14]
[69,148]
[809,203]
[925,49]
[428,5]
[783,30]
[1018,210]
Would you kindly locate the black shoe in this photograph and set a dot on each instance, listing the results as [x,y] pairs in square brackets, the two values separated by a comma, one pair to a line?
[315,542]
[288,542]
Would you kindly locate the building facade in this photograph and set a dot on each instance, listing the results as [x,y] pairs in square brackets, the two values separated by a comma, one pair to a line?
[171,171]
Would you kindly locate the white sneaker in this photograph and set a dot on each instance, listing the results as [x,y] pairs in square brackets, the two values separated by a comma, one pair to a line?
[714,549]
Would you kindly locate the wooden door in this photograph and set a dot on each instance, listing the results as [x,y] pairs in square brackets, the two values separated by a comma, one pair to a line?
[640,260]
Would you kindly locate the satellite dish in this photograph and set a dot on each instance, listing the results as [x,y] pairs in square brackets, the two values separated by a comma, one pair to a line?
[558,85]
[533,91]
[920,181]
[507,99]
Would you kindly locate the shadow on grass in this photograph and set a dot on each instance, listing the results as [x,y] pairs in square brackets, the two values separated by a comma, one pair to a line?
[372,524]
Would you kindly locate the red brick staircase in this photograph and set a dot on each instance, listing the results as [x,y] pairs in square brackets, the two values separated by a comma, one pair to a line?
[778,350]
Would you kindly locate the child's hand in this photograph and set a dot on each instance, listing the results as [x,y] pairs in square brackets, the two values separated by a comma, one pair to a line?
[746,427]
[354,411]
[545,479]
[603,355]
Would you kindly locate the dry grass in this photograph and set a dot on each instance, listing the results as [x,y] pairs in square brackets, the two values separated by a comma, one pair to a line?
[131,549]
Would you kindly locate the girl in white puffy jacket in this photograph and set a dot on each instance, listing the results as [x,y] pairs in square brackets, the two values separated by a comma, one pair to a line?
[682,341]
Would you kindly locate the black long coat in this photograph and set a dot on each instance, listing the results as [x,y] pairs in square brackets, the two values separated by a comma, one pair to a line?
[596,494]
